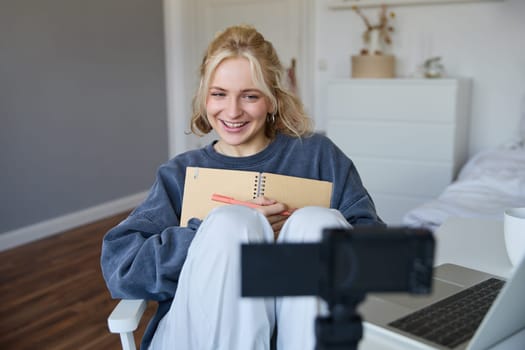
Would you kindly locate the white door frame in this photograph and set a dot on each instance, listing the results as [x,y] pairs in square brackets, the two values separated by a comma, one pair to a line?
[179,36]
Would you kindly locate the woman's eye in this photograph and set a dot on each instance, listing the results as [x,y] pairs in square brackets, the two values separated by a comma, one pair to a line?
[251,97]
[218,94]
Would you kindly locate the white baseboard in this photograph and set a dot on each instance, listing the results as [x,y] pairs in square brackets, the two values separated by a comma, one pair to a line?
[11,239]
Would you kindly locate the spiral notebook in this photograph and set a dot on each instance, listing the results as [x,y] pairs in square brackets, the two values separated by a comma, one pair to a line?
[202,183]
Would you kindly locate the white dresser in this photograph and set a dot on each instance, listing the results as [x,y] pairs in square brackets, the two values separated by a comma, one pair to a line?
[407,137]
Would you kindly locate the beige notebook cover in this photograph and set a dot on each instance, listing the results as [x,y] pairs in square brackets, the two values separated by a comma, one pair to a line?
[202,183]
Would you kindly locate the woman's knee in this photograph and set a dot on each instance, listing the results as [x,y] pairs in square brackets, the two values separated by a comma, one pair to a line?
[221,234]
[307,224]
[318,214]
[233,223]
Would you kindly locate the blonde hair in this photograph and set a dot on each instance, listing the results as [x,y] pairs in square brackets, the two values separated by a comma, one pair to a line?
[288,116]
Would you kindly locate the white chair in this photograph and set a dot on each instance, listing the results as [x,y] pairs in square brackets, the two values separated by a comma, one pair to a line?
[125,319]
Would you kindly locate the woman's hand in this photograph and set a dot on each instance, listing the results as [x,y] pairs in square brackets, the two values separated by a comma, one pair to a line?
[273,211]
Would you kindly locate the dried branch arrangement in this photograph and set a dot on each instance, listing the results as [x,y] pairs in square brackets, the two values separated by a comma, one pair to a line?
[378,35]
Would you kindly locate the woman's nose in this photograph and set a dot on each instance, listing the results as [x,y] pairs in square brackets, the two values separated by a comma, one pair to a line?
[234,108]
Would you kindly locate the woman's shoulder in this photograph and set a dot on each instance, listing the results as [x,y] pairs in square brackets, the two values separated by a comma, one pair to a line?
[320,138]
[315,140]
[193,156]
[310,138]
[179,162]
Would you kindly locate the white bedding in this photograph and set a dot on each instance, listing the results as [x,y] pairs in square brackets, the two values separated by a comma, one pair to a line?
[488,183]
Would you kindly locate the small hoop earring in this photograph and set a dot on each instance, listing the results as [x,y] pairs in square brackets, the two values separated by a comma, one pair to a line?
[271,118]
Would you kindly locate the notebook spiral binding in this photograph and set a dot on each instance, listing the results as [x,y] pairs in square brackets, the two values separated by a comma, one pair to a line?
[259,185]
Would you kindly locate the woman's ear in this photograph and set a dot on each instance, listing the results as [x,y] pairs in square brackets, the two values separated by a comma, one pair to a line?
[272,109]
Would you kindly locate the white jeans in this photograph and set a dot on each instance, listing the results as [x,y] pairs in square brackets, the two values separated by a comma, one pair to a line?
[208,311]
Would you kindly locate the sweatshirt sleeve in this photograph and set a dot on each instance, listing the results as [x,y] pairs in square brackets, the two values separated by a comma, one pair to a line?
[142,257]
[357,206]
[350,195]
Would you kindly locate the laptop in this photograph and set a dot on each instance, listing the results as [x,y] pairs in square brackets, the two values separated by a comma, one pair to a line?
[457,290]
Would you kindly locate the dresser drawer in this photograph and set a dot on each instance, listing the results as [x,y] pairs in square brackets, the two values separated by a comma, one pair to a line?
[407,137]
[415,141]
[391,209]
[412,100]
[403,177]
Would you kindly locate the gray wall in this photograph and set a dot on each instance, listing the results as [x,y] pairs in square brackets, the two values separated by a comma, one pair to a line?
[82,104]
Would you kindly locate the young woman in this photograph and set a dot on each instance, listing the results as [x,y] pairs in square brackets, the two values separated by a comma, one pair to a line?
[193,272]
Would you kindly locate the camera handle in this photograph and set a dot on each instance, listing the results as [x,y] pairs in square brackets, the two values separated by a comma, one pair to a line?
[342,329]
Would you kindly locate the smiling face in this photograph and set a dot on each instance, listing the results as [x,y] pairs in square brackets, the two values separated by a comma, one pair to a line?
[237,109]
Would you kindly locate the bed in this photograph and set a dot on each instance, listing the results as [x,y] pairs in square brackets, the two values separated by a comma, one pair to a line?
[489,182]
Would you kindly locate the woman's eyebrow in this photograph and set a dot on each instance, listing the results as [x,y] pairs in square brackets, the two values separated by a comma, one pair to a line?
[251,90]
[242,91]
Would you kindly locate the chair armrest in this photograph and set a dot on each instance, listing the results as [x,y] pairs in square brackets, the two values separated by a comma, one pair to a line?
[126,315]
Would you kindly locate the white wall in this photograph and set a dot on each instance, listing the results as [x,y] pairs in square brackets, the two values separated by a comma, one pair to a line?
[484,41]
[180,71]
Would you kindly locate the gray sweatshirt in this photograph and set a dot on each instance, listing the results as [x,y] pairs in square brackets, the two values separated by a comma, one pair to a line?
[143,255]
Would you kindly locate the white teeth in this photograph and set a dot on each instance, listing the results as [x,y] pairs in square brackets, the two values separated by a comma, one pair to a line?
[233,125]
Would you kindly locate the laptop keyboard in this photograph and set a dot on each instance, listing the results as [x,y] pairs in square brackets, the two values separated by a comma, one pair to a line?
[453,320]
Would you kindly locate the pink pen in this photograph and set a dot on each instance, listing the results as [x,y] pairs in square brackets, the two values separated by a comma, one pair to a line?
[230,200]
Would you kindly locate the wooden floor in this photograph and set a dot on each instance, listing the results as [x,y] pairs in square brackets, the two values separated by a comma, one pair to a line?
[52,295]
